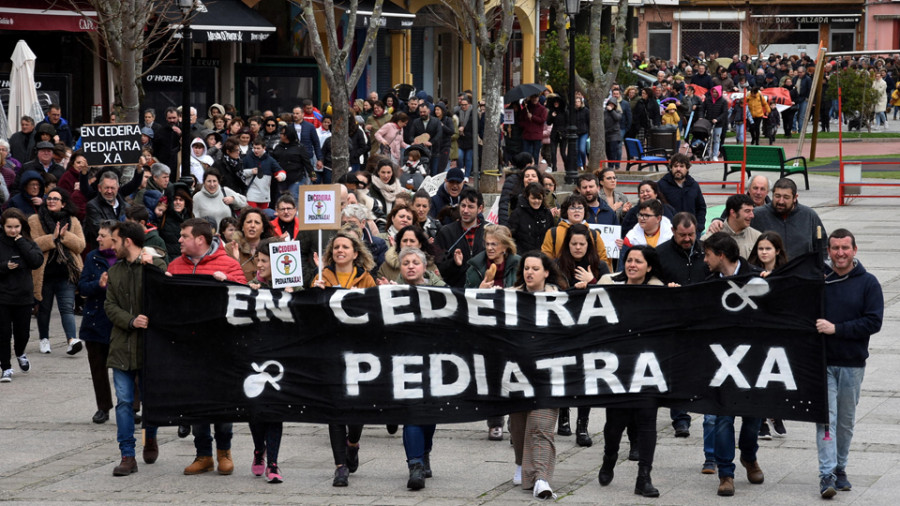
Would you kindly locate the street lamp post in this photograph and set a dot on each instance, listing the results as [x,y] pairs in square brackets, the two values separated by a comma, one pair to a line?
[186,6]
[572,131]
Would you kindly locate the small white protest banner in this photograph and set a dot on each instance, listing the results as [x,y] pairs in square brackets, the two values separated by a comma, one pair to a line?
[609,234]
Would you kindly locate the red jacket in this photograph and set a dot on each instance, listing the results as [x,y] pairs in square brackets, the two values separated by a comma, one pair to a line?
[533,129]
[67,182]
[279,232]
[215,260]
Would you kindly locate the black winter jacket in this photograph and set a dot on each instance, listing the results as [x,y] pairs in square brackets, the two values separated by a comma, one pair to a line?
[16,286]
[529,226]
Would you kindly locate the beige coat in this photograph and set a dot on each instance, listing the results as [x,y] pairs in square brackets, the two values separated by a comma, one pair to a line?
[73,240]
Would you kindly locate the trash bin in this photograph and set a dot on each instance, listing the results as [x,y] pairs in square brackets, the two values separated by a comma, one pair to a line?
[663,137]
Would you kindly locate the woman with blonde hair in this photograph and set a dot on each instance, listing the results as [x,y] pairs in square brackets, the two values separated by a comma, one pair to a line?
[495,267]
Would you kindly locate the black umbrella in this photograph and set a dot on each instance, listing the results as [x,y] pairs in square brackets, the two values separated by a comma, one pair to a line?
[523,91]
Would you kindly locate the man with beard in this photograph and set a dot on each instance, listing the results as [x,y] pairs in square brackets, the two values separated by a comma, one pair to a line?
[799,226]
[461,240]
[124,306]
[598,211]
[682,191]
[681,259]
[167,141]
[424,124]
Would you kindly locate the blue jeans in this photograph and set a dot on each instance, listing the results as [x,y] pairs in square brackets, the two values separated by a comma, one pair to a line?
[709,438]
[533,148]
[582,149]
[65,301]
[716,141]
[880,118]
[739,132]
[464,161]
[747,442]
[417,441]
[801,112]
[124,385]
[203,439]
[844,384]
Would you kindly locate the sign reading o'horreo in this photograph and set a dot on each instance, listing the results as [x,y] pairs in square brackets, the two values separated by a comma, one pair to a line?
[111,143]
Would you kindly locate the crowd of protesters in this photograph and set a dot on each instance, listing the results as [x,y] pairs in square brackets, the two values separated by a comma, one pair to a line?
[72,228]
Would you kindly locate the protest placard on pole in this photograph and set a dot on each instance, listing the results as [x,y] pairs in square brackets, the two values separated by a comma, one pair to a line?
[111,143]
[284,260]
[609,234]
[320,209]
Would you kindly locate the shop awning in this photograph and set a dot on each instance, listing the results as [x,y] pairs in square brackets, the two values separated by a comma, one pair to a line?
[226,21]
[393,17]
[42,15]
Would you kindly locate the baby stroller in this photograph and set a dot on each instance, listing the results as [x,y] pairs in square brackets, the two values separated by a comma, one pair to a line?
[413,174]
[700,132]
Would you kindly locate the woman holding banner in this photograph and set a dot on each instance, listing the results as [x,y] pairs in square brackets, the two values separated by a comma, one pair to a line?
[531,432]
[266,435]
[495,267]
[347,265]
[417,439]
[580,265]
[641,267]
[254,226]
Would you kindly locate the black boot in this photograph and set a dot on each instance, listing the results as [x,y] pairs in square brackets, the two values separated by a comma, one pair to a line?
[605,476]
[416,476]
[581,433]
[426,464]
[564,429]
[643,486]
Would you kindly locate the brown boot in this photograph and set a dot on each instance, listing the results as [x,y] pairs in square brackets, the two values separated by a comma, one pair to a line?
[126,467]
[226,465]
[151,450]
[754,473]
[200,465]
[726,486]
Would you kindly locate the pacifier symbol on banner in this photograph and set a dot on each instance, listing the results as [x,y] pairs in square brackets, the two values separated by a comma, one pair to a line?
[256,383]
[754,288]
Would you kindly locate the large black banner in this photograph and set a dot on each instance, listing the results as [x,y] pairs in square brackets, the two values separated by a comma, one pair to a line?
[401,354]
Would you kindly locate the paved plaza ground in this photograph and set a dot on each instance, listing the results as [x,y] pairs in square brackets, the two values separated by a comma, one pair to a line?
[50,452]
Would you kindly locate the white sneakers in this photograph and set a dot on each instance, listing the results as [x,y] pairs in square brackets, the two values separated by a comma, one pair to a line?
[517,478]
[7,376]
[45,346]
[542,490]
[74,346]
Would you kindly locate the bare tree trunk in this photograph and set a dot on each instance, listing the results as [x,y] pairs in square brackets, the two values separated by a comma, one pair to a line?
[598,89]
[333,68]
[125,31]
[492,50]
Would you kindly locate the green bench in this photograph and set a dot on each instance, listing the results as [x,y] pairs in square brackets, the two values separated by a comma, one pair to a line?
[763,159]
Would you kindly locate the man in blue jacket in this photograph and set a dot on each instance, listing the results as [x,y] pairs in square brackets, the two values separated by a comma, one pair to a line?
[854,309]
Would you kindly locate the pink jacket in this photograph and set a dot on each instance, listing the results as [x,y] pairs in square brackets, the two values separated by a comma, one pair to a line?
[392,135]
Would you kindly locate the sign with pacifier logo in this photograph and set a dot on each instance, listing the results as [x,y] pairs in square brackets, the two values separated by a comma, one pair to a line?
[320,207]
[284,258]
